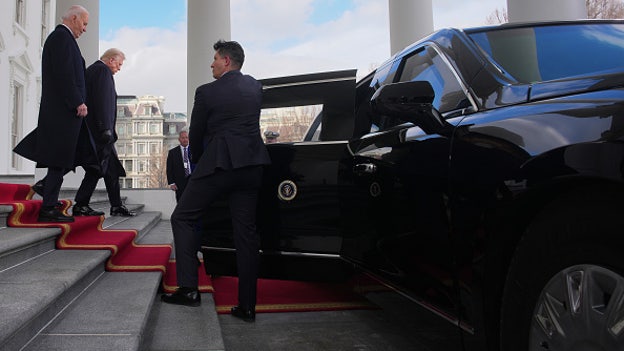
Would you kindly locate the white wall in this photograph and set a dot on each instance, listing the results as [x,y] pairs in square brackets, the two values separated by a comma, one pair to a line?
[162,200]
[20,61]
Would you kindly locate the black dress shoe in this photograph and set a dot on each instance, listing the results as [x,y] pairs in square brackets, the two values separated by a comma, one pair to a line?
[248,315]
[53,215]
[86,210]
[121,211]
[183,296]
[38,187]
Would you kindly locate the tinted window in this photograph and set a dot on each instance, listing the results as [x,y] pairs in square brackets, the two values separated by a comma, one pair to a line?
[425,64]
[552,52]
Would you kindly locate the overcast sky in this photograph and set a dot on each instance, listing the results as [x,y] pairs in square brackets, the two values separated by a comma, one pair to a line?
[279,37]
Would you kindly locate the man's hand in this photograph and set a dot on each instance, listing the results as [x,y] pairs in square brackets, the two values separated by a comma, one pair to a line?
[173,187]
[81,111]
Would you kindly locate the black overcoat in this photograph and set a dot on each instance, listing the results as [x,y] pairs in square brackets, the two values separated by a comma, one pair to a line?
[62,138]
[102,105]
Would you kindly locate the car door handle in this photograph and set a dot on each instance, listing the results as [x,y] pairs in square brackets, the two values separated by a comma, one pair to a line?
[362,168]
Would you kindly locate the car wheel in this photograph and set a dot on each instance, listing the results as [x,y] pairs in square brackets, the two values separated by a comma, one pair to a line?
[565,286]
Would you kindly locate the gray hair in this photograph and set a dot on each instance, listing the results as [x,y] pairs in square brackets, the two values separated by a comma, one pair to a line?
[74,10]
[112,52]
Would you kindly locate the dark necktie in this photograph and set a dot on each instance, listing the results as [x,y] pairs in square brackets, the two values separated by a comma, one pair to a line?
[187,170]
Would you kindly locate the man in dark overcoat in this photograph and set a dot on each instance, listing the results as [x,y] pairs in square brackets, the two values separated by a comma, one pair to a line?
[61,140]
[230,155]
[102,117]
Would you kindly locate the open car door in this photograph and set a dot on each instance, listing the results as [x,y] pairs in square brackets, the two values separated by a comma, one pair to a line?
[299,204]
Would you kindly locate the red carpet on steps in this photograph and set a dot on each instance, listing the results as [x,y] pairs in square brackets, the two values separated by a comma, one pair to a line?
[86,233]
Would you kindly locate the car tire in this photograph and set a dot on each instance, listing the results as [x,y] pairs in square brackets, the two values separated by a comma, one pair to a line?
[565,286]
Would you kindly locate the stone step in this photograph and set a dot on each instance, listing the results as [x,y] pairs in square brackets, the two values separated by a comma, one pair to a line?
[143,222]
[180,328]
[64,299]
[111,314]
[37,290]
[5,210]
[28,259]
[18,245]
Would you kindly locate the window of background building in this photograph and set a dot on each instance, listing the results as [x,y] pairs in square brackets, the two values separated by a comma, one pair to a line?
[129,149]
[142,164]
[172,129]
[16,121]
[141,149]
[126,183]
[154,149]
[19,12]
[128,165]
[121,130]
[154,128]
[121,148]
[140,128]
[45,14]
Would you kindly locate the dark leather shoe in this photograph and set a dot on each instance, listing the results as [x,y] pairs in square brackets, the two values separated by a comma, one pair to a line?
[121,211]
[38,187]
[53,215]
[86,210]
[183,296]
[248,315]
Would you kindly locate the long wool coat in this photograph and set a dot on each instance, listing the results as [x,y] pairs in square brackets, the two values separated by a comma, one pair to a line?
[62,138]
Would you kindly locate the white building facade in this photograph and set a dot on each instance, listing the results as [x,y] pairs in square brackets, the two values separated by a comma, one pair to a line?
[24,26]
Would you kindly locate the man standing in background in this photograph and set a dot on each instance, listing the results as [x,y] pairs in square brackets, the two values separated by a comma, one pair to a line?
[179,165]
[102,99]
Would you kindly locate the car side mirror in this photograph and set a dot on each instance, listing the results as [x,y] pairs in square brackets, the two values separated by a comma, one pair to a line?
[410,102]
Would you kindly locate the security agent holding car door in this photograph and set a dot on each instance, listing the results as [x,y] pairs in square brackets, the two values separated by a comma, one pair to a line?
[229,155]
[102,102]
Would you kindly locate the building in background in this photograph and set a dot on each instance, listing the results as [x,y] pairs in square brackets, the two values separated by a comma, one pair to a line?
[145,135]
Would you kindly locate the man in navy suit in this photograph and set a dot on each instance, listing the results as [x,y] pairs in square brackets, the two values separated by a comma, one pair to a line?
[179,165]
[229,155]
[102,117]
[61,140]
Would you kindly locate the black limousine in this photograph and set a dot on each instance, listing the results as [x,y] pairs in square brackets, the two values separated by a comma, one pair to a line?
[479,171]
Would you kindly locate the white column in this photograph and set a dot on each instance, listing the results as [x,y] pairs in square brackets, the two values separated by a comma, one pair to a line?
[545,10]
[208,21]
[410,20]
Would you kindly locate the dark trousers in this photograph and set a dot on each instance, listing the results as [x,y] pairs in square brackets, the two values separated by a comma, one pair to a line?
[52,186]
[241,186]
[89,182]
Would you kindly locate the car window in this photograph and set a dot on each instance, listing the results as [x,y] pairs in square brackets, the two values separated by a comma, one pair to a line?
[552,52]
[288,124]
[427,65]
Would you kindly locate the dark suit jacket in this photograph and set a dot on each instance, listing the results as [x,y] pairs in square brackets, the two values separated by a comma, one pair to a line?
[225,129]
[102,106]
[59,130]
[175,170]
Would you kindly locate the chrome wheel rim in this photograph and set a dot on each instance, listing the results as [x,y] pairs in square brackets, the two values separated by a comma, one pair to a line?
[580,308]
